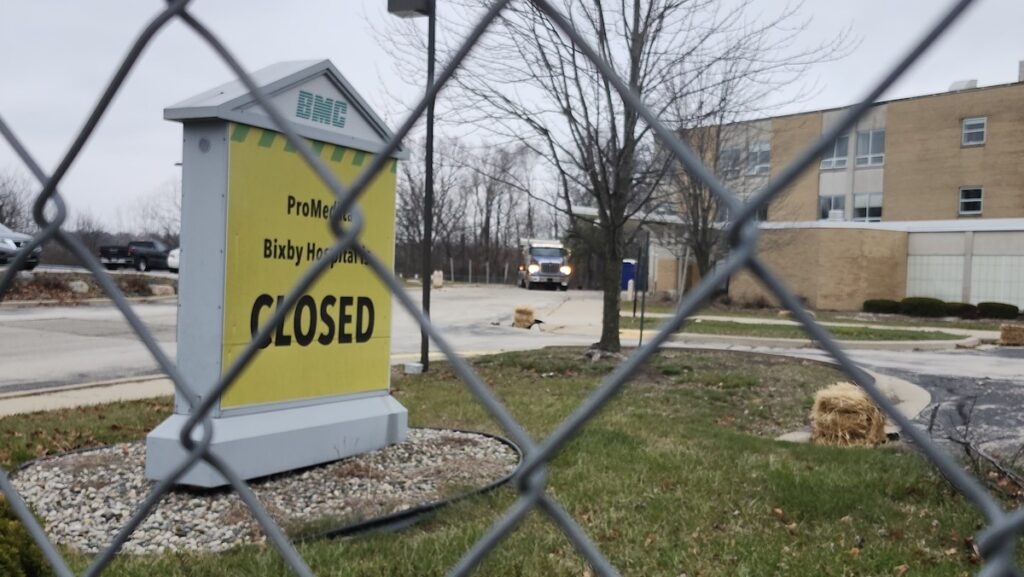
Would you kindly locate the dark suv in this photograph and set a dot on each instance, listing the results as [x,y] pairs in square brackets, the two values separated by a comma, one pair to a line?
[11,242]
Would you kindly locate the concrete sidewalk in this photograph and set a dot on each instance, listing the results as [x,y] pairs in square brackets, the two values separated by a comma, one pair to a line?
[971,338]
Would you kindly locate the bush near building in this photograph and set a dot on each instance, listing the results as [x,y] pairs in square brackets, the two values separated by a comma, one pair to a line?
[962,310]
[923,307]
[883,306]
[934,308]
[990,310]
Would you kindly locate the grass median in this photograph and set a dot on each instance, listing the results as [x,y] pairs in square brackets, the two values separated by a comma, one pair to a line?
[788,331]
[834,316]
[678,475]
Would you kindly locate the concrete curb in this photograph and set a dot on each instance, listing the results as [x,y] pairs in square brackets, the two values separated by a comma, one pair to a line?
[929,345]
[910,400]
[85,302]
[88,394]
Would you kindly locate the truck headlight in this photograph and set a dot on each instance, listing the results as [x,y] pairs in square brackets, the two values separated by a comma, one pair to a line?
[8,243]
[533,268]
[566,270]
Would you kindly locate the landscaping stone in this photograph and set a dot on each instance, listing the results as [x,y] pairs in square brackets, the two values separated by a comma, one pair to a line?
[79,287]
[85,498]
[161,290]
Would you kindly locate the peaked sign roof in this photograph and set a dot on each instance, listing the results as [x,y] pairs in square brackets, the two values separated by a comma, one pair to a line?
[312,94]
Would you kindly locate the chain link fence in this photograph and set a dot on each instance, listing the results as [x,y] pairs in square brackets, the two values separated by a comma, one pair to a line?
[995,542]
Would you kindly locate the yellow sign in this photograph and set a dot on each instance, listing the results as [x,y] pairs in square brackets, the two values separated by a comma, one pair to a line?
[337,339]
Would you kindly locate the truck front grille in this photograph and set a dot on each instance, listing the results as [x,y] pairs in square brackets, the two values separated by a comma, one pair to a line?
[549,267]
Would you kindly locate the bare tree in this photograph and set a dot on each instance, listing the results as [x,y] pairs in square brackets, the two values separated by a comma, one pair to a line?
[528,83]
[90,231]
[158,214]
[16,202]
[450,201]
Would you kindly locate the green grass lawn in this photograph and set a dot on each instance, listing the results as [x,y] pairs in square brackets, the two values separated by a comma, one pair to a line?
[791,331]
[678,475]
[830,316]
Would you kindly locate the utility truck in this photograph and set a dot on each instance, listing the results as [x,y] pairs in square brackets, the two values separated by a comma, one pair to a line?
[543,263]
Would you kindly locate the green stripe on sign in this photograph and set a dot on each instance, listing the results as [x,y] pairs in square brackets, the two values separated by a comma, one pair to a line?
[267,138]
[394,167]
[358,159]
[288,146]
[338,154]
[240,133]
[317,148]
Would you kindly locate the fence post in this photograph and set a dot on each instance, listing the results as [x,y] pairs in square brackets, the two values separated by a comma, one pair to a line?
[504,280]
[470,271]
[487,273]
[451,268]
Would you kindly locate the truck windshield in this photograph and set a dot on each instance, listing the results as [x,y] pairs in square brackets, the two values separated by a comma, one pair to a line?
[547,251]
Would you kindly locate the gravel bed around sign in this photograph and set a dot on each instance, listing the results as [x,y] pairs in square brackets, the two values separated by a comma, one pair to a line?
[85,498]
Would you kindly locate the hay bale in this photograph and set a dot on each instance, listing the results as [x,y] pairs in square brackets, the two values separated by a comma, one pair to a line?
[1011,335]
[845,416]
[523,318]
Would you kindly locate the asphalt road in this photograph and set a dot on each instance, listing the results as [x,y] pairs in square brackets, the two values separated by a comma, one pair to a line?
[53,346]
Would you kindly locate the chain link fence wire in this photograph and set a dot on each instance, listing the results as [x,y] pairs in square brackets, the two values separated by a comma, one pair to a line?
[995,541]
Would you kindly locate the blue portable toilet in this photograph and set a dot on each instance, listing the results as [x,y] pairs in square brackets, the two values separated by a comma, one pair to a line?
[628,272]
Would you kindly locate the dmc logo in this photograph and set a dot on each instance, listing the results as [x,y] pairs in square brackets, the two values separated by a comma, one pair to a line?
[320,109]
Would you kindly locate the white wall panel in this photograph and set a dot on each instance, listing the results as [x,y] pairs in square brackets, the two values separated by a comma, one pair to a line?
[998,278]
[938,277]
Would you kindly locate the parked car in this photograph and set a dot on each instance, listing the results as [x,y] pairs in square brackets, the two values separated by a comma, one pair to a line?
[11,242]
[141,255]
[173,258]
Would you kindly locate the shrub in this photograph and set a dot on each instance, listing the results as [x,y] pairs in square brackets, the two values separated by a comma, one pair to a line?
[884,306]
[997,311]
[923,307]
[19,556]
[962,310]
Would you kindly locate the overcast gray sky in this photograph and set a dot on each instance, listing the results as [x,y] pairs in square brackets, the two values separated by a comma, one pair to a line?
[57,56]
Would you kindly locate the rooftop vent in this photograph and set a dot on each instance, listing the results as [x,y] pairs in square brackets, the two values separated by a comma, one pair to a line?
[963,85]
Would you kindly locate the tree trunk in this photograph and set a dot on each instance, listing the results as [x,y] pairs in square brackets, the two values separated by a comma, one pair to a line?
[610,278]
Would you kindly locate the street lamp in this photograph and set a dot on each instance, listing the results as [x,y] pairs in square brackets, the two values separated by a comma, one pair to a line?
[410,9]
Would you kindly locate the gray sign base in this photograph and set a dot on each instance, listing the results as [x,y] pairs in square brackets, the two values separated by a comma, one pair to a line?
[260,444]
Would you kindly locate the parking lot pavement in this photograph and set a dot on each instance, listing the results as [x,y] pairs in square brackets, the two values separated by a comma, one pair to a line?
[48,347]
[55,346]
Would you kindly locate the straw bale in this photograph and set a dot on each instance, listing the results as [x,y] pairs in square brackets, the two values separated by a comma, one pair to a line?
[845,416]
[1011,334]
[523,318]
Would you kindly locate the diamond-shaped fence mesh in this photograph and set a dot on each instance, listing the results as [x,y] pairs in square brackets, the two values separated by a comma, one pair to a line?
[995,542]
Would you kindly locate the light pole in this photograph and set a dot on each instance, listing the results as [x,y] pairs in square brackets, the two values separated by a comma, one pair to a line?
[408,9]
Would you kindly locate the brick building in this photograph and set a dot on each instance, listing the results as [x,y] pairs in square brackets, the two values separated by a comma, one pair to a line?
[923,197]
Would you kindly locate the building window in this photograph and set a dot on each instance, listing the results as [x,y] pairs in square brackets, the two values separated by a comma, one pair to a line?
[760,158]
[724,216]
[970,200]
[867,207]
[827,204]
[729,163]
[871,147]
[973,131]
[835,156]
